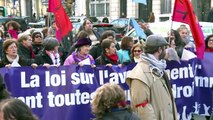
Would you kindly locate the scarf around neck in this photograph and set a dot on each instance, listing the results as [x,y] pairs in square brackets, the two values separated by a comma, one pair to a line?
[13,33]
[112,57]
[78,57]
[156,65]
[11,60]
[55,59]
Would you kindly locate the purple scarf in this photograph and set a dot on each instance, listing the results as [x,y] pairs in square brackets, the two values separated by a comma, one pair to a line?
[79,57]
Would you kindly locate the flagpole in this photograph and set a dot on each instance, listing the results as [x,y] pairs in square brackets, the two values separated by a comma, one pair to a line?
[170,33]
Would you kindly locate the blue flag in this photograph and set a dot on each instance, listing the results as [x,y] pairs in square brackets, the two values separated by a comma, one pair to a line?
[138,30]
[141,1]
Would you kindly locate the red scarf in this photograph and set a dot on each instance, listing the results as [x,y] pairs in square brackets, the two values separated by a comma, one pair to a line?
[31,52]
[113,58]
[209,50]
[13,33]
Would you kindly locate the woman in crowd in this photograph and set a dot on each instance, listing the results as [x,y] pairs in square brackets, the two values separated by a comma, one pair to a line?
[25,49]
[209,43]
[15,109]
[184,34]
[13,29]
[10,50]
[49,55]
[136,52]
[124,52]
[81,34]
[96,50]
[81,54]
[109,56]
[88,27]
[109,104]
[37,42]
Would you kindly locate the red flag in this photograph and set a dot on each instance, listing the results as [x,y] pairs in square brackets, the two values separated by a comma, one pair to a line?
[62,21]
[183,12]
[50,6]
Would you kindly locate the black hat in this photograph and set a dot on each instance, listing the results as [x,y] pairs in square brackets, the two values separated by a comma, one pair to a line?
[82,42]
[156,41]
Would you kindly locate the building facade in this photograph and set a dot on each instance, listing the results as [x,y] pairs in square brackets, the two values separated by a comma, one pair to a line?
[113,9]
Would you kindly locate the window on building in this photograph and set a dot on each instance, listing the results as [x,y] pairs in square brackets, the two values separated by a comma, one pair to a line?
[166,6]
[99,8]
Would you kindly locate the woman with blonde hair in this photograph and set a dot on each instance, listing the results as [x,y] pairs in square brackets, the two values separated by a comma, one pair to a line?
[109,104]
[136,52]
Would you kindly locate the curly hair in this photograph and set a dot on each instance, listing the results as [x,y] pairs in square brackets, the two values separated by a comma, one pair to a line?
[15,25]
[105,98]
[15,109]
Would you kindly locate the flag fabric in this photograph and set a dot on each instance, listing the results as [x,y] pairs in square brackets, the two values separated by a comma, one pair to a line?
[50,6]
[138,30]
[62,20]
[183,12]
[140,1]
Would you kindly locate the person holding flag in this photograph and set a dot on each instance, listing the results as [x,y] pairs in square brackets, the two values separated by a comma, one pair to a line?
[63,24]
[183,12]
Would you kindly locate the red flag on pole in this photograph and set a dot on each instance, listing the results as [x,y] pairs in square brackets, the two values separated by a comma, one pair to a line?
[50,6]
[183,12]
[62,20]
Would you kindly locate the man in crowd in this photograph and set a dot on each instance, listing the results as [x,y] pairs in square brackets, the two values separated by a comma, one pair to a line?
[151,94]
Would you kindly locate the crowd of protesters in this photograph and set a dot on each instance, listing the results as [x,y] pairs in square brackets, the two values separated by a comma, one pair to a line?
[90,48]
[43,48]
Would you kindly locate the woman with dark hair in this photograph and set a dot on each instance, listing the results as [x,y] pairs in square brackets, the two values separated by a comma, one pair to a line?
[209,43]
[10,50]
[37,42]
[96,50]
[178,44]
[109,103]
[124,52]
[15,109]
[88,27]
[109,56]
[13,29]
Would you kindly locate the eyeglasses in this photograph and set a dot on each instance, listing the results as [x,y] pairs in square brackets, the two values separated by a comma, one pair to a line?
[211,40]
[137,50]
[37,36]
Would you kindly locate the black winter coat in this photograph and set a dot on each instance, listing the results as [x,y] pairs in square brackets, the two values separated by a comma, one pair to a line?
[22,62]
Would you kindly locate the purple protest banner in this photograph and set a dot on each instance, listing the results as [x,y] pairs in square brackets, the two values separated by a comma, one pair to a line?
[65,92]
